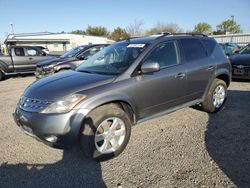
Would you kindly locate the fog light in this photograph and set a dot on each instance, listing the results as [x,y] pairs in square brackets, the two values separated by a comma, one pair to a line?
[51,138]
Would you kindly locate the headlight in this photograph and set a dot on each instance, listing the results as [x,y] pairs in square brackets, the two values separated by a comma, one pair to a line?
[64,105]
[48,68]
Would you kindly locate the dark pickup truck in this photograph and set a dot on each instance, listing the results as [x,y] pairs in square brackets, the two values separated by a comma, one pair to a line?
[21,60]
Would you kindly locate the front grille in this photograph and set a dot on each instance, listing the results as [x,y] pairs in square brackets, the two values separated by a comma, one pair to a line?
[32,105]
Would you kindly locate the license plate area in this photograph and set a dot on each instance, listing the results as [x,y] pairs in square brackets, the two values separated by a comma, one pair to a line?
[239,71]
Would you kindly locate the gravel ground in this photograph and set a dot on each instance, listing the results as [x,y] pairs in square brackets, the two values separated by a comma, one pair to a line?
[188,148]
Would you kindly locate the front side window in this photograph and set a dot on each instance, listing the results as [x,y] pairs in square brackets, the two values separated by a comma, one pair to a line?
[33,52]
[114,59]
[166,54]
[19,52]
[193,49]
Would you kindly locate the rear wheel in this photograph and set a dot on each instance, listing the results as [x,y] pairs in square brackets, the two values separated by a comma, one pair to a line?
[106,132]
[216,96]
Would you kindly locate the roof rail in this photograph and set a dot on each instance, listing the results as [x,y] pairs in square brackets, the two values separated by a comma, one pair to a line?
[162,34]
[192,34]
[131,38]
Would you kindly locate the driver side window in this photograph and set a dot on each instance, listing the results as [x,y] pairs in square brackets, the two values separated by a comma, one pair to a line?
[166,54]
[33,52]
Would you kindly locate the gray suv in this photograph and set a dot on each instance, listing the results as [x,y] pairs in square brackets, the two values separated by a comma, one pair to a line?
[125,83]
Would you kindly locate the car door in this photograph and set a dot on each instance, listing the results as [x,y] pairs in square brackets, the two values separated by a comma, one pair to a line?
[34,56]
[166,88]
[200,67]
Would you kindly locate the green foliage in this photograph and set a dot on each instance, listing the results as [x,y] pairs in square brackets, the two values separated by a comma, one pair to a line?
[229,25]
[97,31]
[160,27]
[119,34]
[203,28]
[79,32]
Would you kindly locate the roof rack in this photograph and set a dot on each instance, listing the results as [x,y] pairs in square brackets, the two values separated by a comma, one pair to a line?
[192,34]
[131,38]
[163,34]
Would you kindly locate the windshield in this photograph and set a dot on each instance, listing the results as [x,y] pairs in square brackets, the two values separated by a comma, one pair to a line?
[114,59]
[245,50]
[72,52]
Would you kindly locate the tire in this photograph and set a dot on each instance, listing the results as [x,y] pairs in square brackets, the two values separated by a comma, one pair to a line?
[99,129]
[217,88]
[1,75]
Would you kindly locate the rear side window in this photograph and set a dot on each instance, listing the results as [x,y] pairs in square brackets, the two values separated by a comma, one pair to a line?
[193,49]
[19,52]
[209,44]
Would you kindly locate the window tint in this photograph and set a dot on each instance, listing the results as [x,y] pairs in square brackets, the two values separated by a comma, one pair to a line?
[19,52]
[165,54]
[209,44]
[33,52]
[193,49]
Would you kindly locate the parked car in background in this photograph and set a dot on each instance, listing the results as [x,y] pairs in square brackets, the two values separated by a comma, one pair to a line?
[44,49]
[241,63]
[128,82]
[21,60]
[230,48]
[70,60]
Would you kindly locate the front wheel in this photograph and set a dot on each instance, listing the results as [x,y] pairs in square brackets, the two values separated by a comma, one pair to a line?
[216,96]
[1,75]
[106,132]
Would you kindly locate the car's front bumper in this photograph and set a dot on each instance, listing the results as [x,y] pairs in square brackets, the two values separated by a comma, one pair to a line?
[56,130]
[40,72]
[241,72]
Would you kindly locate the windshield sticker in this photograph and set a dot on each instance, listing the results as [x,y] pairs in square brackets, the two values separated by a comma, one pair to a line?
[135,45]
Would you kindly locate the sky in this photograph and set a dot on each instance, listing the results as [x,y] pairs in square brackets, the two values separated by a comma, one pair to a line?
[63,15]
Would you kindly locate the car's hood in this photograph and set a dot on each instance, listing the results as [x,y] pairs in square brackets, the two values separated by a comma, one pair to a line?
[53,61]
[240,59]
[62,84]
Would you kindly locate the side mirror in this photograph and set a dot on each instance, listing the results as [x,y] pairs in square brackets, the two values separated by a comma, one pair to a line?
[150,66]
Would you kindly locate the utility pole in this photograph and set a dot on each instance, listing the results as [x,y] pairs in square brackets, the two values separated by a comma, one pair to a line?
[232,17]
[12,28]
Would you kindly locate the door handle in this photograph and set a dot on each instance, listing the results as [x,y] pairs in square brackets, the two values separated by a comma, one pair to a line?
[210,68]
[30,58]
[180,75]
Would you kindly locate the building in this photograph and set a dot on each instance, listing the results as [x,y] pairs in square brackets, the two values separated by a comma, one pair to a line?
[55,42]
[241,38]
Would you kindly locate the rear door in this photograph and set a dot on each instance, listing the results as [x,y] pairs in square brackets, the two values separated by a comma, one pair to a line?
[200,67]
[166,88]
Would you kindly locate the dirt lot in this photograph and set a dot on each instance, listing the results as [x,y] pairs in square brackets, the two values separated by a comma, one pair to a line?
[188,148]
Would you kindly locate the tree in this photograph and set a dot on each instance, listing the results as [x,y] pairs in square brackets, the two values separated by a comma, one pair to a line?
[80,32]
[97,31]
[119,34]
[135,29]
[203,27]
[229,25]
[160,27]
